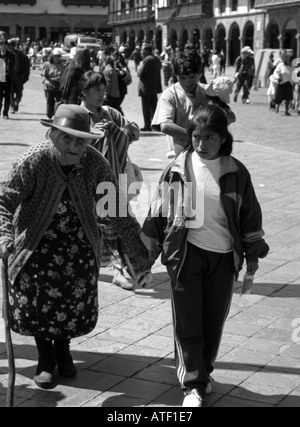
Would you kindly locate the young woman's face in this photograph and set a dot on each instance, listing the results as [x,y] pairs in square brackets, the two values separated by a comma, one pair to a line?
[94,96]
[70,149]
[188,83]
[206,143]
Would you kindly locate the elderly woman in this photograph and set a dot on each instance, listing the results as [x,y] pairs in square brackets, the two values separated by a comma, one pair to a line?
[119,134]
[50,231]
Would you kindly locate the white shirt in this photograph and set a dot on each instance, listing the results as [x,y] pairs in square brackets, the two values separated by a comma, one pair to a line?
[209,231]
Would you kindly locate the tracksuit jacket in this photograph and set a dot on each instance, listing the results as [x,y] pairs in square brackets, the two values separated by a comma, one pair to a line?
[165,229]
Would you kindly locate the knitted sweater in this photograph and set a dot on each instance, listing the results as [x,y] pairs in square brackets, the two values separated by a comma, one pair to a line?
[30,195]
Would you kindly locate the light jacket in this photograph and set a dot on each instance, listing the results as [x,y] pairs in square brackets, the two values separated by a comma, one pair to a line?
[30,195]
[165,230]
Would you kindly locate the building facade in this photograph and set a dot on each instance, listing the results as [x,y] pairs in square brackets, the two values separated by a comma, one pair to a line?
[52,19]
[216,24]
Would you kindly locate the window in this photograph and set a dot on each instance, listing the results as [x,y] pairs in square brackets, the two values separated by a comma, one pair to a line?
[222,6]
[234,5]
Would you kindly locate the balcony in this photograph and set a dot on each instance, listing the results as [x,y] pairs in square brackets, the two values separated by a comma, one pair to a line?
[133,15]
[18,2]
[103,3]
[186,10]
[268,4]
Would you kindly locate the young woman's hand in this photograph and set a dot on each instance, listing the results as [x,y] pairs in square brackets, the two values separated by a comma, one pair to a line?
[252,268]
[103,126]
[6,249]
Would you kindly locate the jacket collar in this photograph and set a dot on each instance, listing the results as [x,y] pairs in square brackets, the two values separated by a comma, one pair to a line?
[228,165]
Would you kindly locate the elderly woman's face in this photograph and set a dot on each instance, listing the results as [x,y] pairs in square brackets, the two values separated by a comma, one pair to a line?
[70,149]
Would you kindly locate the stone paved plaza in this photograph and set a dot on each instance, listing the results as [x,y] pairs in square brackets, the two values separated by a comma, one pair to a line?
[128,360]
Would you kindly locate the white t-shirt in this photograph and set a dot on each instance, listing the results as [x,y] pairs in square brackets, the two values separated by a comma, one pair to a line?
[209,231]
[177,106]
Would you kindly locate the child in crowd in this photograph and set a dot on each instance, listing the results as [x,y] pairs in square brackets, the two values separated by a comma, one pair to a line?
[178,104]
[205,220]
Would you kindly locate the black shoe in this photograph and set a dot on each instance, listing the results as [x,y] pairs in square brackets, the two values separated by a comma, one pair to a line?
[5,116]
[44,378]
[64,360]
[146,130]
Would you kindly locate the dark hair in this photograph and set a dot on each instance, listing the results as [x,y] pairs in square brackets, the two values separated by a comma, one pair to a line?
[82,59]
[148,47]
[187,63]
[214,118]
[91,79]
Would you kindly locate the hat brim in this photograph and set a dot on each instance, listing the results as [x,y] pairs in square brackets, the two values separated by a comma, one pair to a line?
[85,135]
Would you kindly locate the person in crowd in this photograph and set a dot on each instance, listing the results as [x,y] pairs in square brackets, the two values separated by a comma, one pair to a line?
[204,242]
[108,51]
[20,75]
[124,78]
[119,134]
[178,104]
[73,49]
[136,57]
[216,64]
[49,230]
[113,93]
[245,73]
[223,61]
[167,58]
[7,77]
[51,73]
[285,87]
[73,72]
[150,84]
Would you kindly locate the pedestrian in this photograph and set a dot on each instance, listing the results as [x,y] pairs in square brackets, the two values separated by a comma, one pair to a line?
[178,104]
[167,58]
[223,61]
[20,75]
[73,72]
[285,88]
[149,84]
[52,72]
[124,77]
[245,72]
[216,64]
[49,229]
[204,241]
[6,79]
[136,57]
[113,94]
[119,134]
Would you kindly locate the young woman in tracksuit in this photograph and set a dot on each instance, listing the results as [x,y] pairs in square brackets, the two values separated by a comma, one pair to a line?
[205,220]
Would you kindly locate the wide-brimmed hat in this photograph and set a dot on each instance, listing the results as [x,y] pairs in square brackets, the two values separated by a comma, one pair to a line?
[56,52]
[73,120]
[221,87]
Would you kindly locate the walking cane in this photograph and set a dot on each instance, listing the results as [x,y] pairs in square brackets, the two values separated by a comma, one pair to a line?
[9,344]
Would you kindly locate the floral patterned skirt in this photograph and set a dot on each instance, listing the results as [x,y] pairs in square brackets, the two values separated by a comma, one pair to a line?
[56,296]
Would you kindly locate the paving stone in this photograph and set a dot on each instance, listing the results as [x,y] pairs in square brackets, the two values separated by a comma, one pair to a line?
[141,389]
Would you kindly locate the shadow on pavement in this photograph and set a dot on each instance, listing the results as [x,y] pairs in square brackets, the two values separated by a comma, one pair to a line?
[272,290]
[10,144]
[126,380]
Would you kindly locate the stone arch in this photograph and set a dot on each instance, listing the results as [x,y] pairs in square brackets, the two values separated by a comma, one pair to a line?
[150,37]
[159,38]
[220,38]
[207,38]
[272,34]
[173,38]
[248,34]
[196,38]
[184,38]
[124,37]
[289,35]
[141,37]
[234,43]
[132,40]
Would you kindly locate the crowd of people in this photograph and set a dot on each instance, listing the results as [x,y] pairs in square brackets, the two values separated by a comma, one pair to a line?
[56,232]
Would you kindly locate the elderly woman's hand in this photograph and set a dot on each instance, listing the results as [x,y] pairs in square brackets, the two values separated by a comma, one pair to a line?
[6,249]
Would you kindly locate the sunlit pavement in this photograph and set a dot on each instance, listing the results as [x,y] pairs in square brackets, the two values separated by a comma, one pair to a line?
[128,359]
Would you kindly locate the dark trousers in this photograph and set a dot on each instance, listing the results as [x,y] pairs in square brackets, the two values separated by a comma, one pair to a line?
[5,96]
[200,314]
[149,104]
[245,84]
[52,97]
[16,93]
